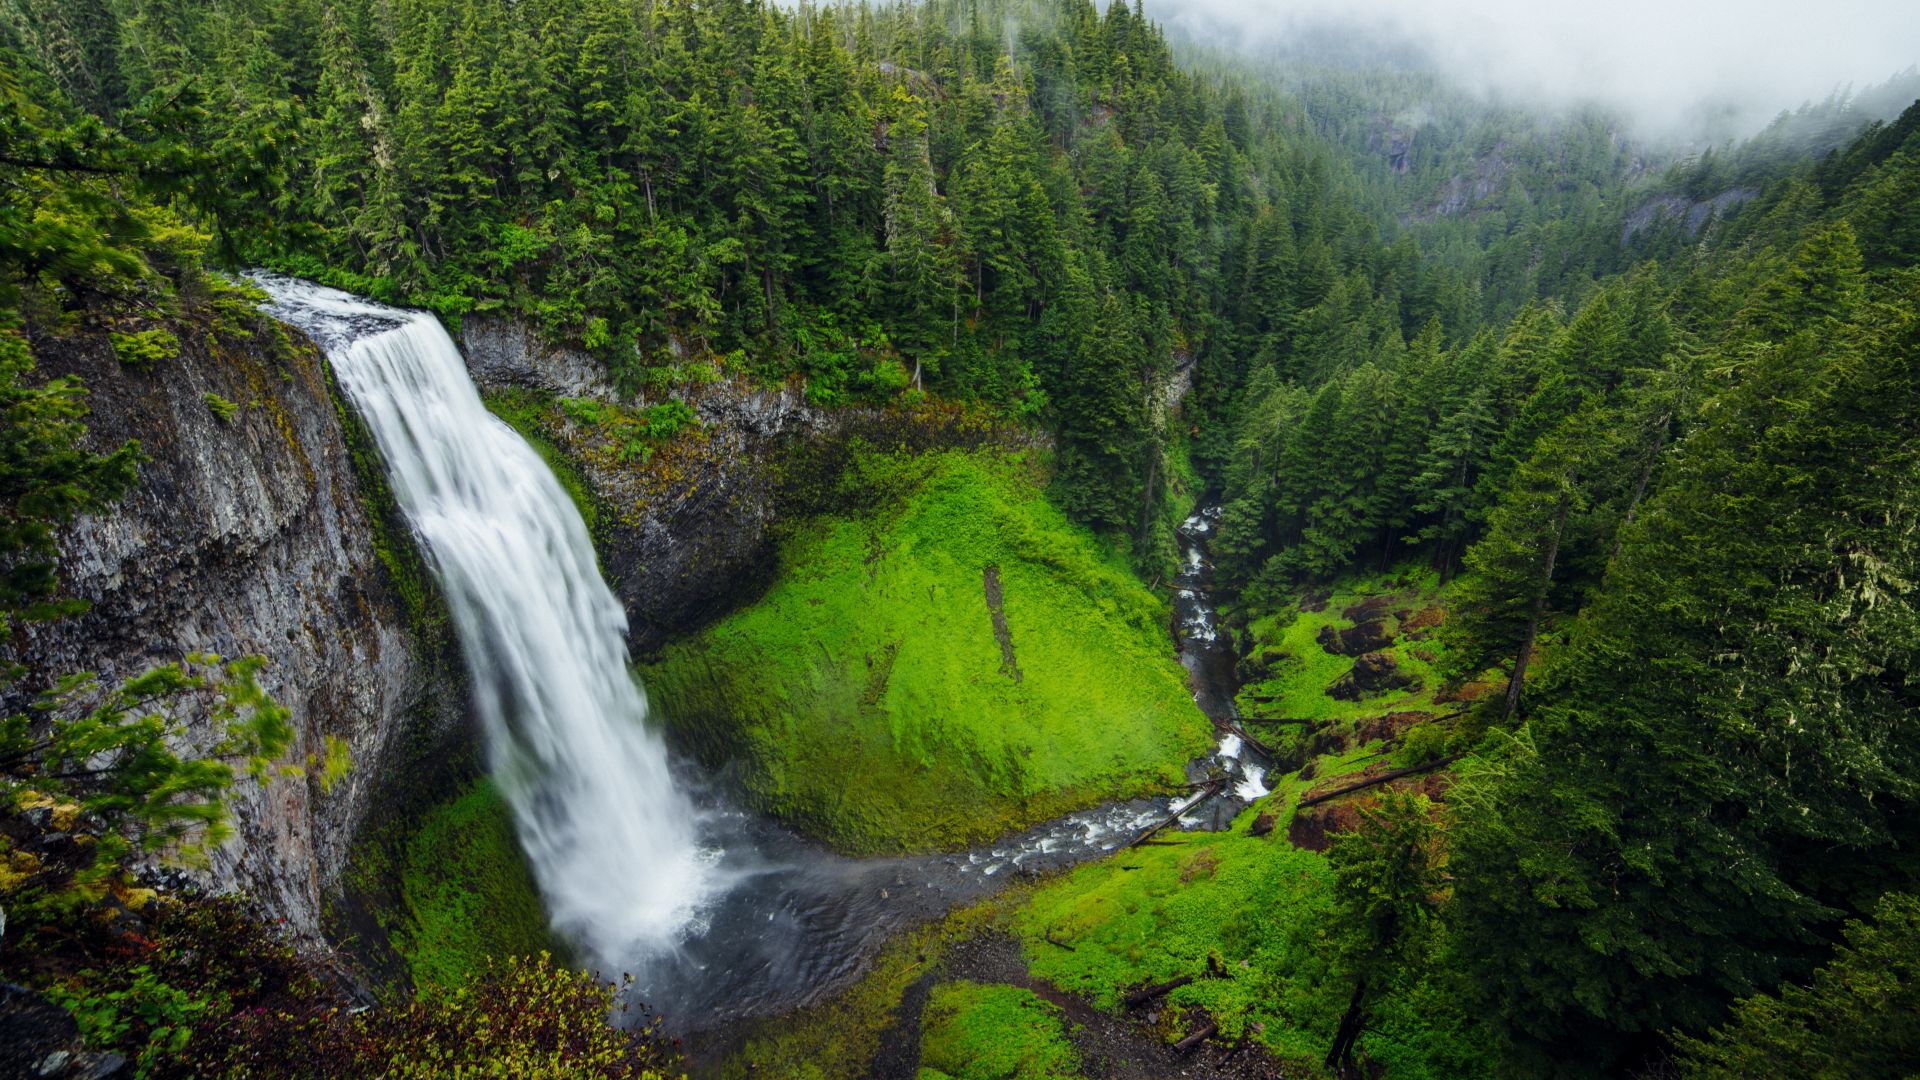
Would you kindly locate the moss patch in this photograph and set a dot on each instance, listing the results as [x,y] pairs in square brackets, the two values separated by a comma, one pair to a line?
[870,700]
[1246,916]
[468,892]
[1291,671]
[435,884]
[1250,918]
[975,1031]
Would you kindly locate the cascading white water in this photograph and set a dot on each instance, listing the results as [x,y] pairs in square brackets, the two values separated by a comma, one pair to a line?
[614,843]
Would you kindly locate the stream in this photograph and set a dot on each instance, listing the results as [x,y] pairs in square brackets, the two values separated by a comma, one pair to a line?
[718,913]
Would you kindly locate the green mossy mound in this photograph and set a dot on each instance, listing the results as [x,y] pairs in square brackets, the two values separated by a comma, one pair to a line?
[468,892]
[976,1031]
[955,662]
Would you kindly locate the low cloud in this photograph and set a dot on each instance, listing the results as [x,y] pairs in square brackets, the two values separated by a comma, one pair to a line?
[1676,67]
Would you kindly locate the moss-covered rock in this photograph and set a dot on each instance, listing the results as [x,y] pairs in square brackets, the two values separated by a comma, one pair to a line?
[955,662]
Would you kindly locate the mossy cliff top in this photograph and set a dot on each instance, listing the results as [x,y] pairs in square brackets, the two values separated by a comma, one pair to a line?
[953,662]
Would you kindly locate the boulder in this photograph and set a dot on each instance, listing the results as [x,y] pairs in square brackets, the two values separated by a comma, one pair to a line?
[1358,639]
[1373,673]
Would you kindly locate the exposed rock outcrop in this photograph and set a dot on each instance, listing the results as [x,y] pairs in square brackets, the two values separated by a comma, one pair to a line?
[1688,215]
[685,534]
[1371,635]
[249,535]
[502,354]
[1372,673]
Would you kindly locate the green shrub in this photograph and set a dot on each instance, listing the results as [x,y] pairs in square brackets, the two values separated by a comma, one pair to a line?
[147,1015]
[222,408]
[1421,743]
[143,349]
[202,988]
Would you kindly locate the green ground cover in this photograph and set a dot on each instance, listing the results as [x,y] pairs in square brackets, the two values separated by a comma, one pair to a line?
[1246,916]
[467,892]
[977,1031]
[952,662]
[1292,672]
[1251,917]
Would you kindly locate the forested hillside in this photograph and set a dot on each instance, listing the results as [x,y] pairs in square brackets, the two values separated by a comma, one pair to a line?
[1637,434]
[1032,207]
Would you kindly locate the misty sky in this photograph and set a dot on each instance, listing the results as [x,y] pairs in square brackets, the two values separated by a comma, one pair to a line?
[1664,61]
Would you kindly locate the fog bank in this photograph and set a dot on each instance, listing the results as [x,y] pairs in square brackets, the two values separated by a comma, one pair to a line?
[1677,67]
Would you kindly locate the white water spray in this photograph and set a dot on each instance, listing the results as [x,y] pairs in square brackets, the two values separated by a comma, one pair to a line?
[614,844]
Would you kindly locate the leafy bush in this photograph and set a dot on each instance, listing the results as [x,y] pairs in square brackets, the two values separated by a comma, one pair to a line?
[667,419]
[521,1018]
[222,408]
[143,349]
[148,1015]
[199,987]
[635,434]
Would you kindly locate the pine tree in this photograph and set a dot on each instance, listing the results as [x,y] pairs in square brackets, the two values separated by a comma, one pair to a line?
[1722,763]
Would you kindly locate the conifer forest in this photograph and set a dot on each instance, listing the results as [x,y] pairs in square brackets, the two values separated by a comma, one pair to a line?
[957,540]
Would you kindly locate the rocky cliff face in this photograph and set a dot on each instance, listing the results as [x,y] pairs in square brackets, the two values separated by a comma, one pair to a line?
[253,534]
[686,535]
[1690,215]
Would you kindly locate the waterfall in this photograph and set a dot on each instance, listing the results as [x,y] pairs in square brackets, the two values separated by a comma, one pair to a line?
[613,843]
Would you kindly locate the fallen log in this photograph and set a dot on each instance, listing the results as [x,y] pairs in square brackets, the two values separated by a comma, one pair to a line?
[1249,740]
[1383,778]
[1148,993]
[1213,788]
[1196,1038]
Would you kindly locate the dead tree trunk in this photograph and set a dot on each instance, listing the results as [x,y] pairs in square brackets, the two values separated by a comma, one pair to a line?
[1148,993]
[1195,1039]
[1383,778]
[1349,1030]
[1212,789]
[1519,678]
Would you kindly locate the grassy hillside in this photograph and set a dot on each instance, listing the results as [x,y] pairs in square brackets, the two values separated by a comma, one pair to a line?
[955,661]
[975,1031]
[1246,913]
